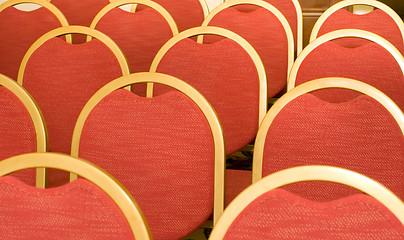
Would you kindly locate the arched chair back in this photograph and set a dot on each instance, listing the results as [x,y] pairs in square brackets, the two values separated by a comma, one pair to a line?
[365,134]
[80,12]
[377,63]
[382,21]
[167,150]
[20,29]
[139,34]
[22,127]
[266,29]
[229,73]
[96,206]
[263,211]
[62,77]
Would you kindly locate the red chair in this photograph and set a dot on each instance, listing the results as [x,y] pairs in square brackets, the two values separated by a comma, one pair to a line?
[265,212]
[266,29]
[377,63]
[95,206]
[20,29]
[61,77]
[167,150]
[22,129]
[365,134]
[382,21]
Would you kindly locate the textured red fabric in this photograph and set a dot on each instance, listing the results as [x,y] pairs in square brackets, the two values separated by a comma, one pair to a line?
[19,30]
[186,13]
[376,21]
[369,63]
[17,132]
[236,181]
[226,75]
[265,33]
[78,210]
[61,77]
[279,214]
[140,35]
[359,135]
[161,150]
[80,12]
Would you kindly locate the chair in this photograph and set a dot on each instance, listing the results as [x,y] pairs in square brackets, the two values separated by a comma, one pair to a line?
[365,134]
[80,12]
[95,206]
[20,29]
[265,212]
[229,73]
[167,150]
[61,77]
[383,21]
[266,29]
[377,63]
[140,35]
[22,129]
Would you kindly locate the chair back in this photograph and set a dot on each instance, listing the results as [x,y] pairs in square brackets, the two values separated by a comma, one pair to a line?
[167,150]
[365,134]
[96,206]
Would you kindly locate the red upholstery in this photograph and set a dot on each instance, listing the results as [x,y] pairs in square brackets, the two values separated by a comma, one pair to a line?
[80,12]
[19,30]
[139,35]
[226,75]
[369,63]
[161,150]
[376,21]
[17,132]
[186,13]
[236,181]
[79,210]
[358,135]
[278,214]
[265,33]
[62,77]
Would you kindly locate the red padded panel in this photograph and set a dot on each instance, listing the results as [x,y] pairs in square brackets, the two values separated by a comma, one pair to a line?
[279,214]
[376,21]
[369,63]
[17,132]
[359,135]
[80,12]
[265,33]
[140,35]
[161,150]
[236,181]
[226,75]
[79,210]
[19,30]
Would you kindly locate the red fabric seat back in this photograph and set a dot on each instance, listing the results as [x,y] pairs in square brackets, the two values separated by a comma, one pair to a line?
[161,149]
[77,210]
[19,30]
[225,74]
[279,214]
[376,21]
[369,63]
[360,135]
[264,31]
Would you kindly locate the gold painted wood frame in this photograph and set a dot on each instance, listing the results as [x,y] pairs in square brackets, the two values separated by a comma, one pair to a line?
[122,198]
[276,12]
[308,173]
[343,33]
[37,121]
[148,3]
[262,108]
[69,30]
[346,3]
[194,95]
[52,8]
[332,82]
